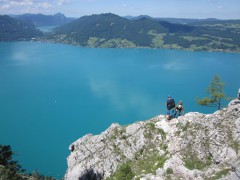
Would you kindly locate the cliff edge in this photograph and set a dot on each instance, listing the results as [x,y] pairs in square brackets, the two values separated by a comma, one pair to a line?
[193,146]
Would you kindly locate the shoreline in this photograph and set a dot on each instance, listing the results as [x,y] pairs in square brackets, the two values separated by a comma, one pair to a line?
[120,47]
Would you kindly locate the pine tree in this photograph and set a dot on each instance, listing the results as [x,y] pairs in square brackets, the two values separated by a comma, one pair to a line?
[10,169]
[216,94]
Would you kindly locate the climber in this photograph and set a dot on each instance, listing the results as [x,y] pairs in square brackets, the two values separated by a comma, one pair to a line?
[238,94]
[179,109]
[170,105]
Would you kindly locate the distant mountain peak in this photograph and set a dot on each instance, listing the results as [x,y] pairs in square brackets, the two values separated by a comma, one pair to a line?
[45,20]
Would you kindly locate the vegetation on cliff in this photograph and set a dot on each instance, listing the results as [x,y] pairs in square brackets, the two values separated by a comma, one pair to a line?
[193,146]
[11,169]
[216,93]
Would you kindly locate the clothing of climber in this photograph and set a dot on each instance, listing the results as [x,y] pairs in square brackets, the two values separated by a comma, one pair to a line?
[179,109]
[170,104]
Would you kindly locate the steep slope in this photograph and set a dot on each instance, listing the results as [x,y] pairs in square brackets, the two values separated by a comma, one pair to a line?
[13,29]
[193,146]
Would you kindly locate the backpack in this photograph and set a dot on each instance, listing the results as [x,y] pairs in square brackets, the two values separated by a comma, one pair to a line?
[170,104]
[179,107]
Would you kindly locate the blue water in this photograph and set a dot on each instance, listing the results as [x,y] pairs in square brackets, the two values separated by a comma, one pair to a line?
[53,94]
[46,28]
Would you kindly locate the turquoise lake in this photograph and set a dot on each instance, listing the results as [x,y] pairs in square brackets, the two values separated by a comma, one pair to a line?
[53,94]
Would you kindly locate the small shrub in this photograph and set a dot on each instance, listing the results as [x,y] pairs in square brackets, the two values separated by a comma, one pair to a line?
[148,134]
[192,162]
[122,130]
[221,174]
[177,133]
[169,171]
[151,126]
[184,128]
[164,146]
[149,163]
[236,146]
[124,172]
[163,134]
[113,137]
[115,130]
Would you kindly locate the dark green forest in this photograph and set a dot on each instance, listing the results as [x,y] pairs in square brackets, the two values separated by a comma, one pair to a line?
[13,30]
[109,30]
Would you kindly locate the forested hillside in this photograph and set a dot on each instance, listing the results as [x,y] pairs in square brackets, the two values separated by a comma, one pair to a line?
[12,29]
[109,30]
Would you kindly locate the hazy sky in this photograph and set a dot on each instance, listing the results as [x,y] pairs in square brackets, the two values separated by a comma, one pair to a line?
[222,9]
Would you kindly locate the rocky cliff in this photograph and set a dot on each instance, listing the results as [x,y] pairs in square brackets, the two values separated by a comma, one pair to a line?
[193,146]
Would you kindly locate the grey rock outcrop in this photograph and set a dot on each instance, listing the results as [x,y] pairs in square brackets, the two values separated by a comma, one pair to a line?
[193,146]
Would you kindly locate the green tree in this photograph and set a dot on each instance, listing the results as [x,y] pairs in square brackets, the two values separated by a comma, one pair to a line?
[10,169]
[216,94]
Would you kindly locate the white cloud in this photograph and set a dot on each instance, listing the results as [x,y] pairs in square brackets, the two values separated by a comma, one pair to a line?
[61,2]
[122,101]
[21,3]
[45,5]
[25,6]
[171,65]
[175,66]
[6,6]
[107,89]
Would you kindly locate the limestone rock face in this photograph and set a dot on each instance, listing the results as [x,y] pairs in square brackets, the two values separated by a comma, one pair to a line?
[193,146]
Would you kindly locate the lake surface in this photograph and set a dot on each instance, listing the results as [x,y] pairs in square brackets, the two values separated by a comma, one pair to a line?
[53,94]
[46,28]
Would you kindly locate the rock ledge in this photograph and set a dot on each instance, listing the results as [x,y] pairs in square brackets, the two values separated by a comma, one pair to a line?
[193,146]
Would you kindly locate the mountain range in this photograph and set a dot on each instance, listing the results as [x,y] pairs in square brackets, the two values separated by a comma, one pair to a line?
[45,20]
[110,30]
[173,20]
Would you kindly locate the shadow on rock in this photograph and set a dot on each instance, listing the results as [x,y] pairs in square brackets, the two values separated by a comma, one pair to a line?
[91,174]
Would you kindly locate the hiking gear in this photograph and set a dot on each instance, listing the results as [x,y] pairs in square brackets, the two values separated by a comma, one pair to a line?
[179,107]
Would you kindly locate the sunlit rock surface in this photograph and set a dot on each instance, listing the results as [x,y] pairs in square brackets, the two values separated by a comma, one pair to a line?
[193,146]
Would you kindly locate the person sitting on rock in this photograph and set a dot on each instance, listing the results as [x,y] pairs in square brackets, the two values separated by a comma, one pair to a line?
[179,109]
